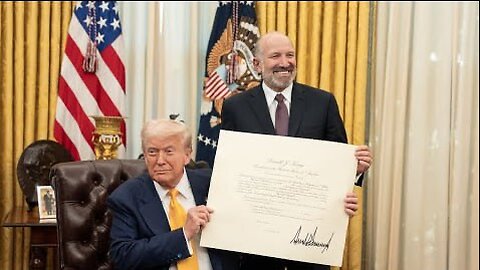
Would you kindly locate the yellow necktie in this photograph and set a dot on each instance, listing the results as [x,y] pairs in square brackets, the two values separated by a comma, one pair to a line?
[178,216]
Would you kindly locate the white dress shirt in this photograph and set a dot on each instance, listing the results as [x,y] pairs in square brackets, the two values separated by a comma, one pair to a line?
[187,201]
[272,103]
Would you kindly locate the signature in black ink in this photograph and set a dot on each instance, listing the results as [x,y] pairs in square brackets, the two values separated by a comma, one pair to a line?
[309,240]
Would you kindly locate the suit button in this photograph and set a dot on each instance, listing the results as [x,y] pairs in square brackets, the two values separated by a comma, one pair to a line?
[179,255]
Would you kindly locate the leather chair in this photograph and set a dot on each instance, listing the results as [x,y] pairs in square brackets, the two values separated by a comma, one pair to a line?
[83,219]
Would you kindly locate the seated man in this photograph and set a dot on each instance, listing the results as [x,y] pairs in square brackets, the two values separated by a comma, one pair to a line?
[158,215]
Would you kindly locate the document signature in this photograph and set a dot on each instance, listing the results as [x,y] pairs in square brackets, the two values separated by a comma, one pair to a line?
[309,240]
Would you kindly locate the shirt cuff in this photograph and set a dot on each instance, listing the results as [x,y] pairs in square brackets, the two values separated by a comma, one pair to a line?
[188,243]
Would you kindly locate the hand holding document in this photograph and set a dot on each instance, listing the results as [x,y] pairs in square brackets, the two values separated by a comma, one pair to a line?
[280,196]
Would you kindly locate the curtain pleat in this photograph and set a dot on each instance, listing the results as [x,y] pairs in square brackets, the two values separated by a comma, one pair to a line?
[30,76]
[292,11]
[331,42]
[359,122]
[56,49]
[351,59]
[301,45]
[327,66]
[281,13]
[41,95]
[314,39]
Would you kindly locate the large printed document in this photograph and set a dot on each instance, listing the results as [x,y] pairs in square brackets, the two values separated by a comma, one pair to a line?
[280,197]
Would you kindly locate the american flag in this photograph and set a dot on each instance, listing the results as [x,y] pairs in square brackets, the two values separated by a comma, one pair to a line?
[216,87]
[83,94]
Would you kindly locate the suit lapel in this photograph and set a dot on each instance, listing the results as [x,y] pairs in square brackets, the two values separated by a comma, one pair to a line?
[259,106]
[199,191]
[152,209]
[297,108]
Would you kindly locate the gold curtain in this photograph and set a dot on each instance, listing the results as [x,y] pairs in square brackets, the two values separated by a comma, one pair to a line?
[32,36]
[331,40]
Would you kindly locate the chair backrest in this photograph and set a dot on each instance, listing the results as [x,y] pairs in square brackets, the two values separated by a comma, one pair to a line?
[81,191]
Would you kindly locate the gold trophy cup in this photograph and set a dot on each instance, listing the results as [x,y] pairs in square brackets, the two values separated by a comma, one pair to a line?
[107,136]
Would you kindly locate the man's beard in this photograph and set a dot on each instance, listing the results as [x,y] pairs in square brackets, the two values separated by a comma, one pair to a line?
[279,84]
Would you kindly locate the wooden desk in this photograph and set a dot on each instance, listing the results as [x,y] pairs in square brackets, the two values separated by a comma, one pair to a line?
[42,235]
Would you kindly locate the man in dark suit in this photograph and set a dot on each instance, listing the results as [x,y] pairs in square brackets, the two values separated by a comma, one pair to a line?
[158,215]
[282,106]
[49,202]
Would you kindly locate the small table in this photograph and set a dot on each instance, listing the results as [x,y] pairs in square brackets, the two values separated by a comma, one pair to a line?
[42,235]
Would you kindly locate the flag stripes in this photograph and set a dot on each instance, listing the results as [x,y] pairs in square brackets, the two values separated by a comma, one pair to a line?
[82,94]
[215,88]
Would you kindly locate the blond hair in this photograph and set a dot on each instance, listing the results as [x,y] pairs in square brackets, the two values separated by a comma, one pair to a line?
[166,128]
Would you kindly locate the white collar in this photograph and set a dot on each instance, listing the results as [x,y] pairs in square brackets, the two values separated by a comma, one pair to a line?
[270,94]
[183,186]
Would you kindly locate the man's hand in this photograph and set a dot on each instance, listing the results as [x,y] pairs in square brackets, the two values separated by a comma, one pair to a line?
[197,218]
[364,157]
[351,204]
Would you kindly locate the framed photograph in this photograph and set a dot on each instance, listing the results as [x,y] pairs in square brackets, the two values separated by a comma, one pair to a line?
[46,203]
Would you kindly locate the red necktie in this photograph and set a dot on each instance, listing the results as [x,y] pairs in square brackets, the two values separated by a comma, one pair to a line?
[281,116]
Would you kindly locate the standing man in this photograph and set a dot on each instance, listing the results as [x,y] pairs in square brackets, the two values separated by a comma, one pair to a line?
[284,107]
[158,215]
[49,202]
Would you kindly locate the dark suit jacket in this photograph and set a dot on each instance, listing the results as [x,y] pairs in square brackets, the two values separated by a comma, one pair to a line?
[140,235]
[313,114]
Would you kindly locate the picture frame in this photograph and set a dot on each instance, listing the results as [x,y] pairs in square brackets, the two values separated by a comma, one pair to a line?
[46,204]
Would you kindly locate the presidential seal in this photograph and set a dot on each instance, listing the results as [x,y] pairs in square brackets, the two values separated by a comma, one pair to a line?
[230,64]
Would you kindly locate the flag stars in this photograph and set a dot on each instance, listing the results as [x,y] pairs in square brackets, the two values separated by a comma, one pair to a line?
[104,6]
[91,4]
[88,20]
[102,22]
[207,141]
[78,5]
[115,24]
[115,8]
[99,38]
